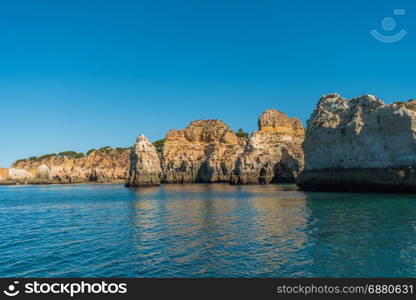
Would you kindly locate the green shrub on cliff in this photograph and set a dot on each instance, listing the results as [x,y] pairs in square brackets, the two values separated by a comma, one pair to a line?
[120,150]
[242,133]
[71,154]
[159,144]
[74,154]
[20,160]
[46,156]
[32,158]
[108,150]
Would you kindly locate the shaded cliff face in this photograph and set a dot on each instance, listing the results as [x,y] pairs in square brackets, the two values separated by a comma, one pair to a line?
[360,145]
[274,152]
[99,166]
[205,151]
[145,167]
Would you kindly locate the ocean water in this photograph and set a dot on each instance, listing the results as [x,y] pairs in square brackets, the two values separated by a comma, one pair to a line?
[202,230]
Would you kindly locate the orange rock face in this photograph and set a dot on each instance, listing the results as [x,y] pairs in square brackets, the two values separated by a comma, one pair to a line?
[274,152]
[4,173]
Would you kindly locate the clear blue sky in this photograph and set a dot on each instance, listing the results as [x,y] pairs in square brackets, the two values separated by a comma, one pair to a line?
[76,75]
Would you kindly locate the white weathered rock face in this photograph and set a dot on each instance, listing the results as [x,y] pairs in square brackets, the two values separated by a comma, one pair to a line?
[360,144]
[274,152]
[20,175]
[44,172]
[145,166]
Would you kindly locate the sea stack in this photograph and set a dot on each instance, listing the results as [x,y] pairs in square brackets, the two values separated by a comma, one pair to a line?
[274,152]
[360,145]
[145,167]
[205,151]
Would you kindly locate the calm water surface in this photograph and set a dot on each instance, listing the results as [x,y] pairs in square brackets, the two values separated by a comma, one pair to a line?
[204,231]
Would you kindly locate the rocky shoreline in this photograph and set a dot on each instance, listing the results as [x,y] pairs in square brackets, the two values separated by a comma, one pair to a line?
[357,145]
[206,151]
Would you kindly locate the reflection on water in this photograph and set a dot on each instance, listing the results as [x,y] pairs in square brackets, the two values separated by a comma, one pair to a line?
[218,230]
[204,230]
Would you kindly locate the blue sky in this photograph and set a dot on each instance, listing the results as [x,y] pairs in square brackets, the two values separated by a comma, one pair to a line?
[76,75]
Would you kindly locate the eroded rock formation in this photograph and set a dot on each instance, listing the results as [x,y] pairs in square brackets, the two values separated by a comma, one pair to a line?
[145,169]
[360,145]
[274,153]
[205,151]
[110,165]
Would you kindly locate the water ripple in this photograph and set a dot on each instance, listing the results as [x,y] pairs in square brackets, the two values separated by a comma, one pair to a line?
[204,231]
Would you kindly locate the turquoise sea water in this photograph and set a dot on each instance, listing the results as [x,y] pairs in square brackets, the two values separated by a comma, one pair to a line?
[204,231]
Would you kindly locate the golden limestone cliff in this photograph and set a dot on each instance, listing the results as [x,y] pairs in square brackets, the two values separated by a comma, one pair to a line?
[274,152]
[209,151]
[360,145]
[205,151]
[105,165]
